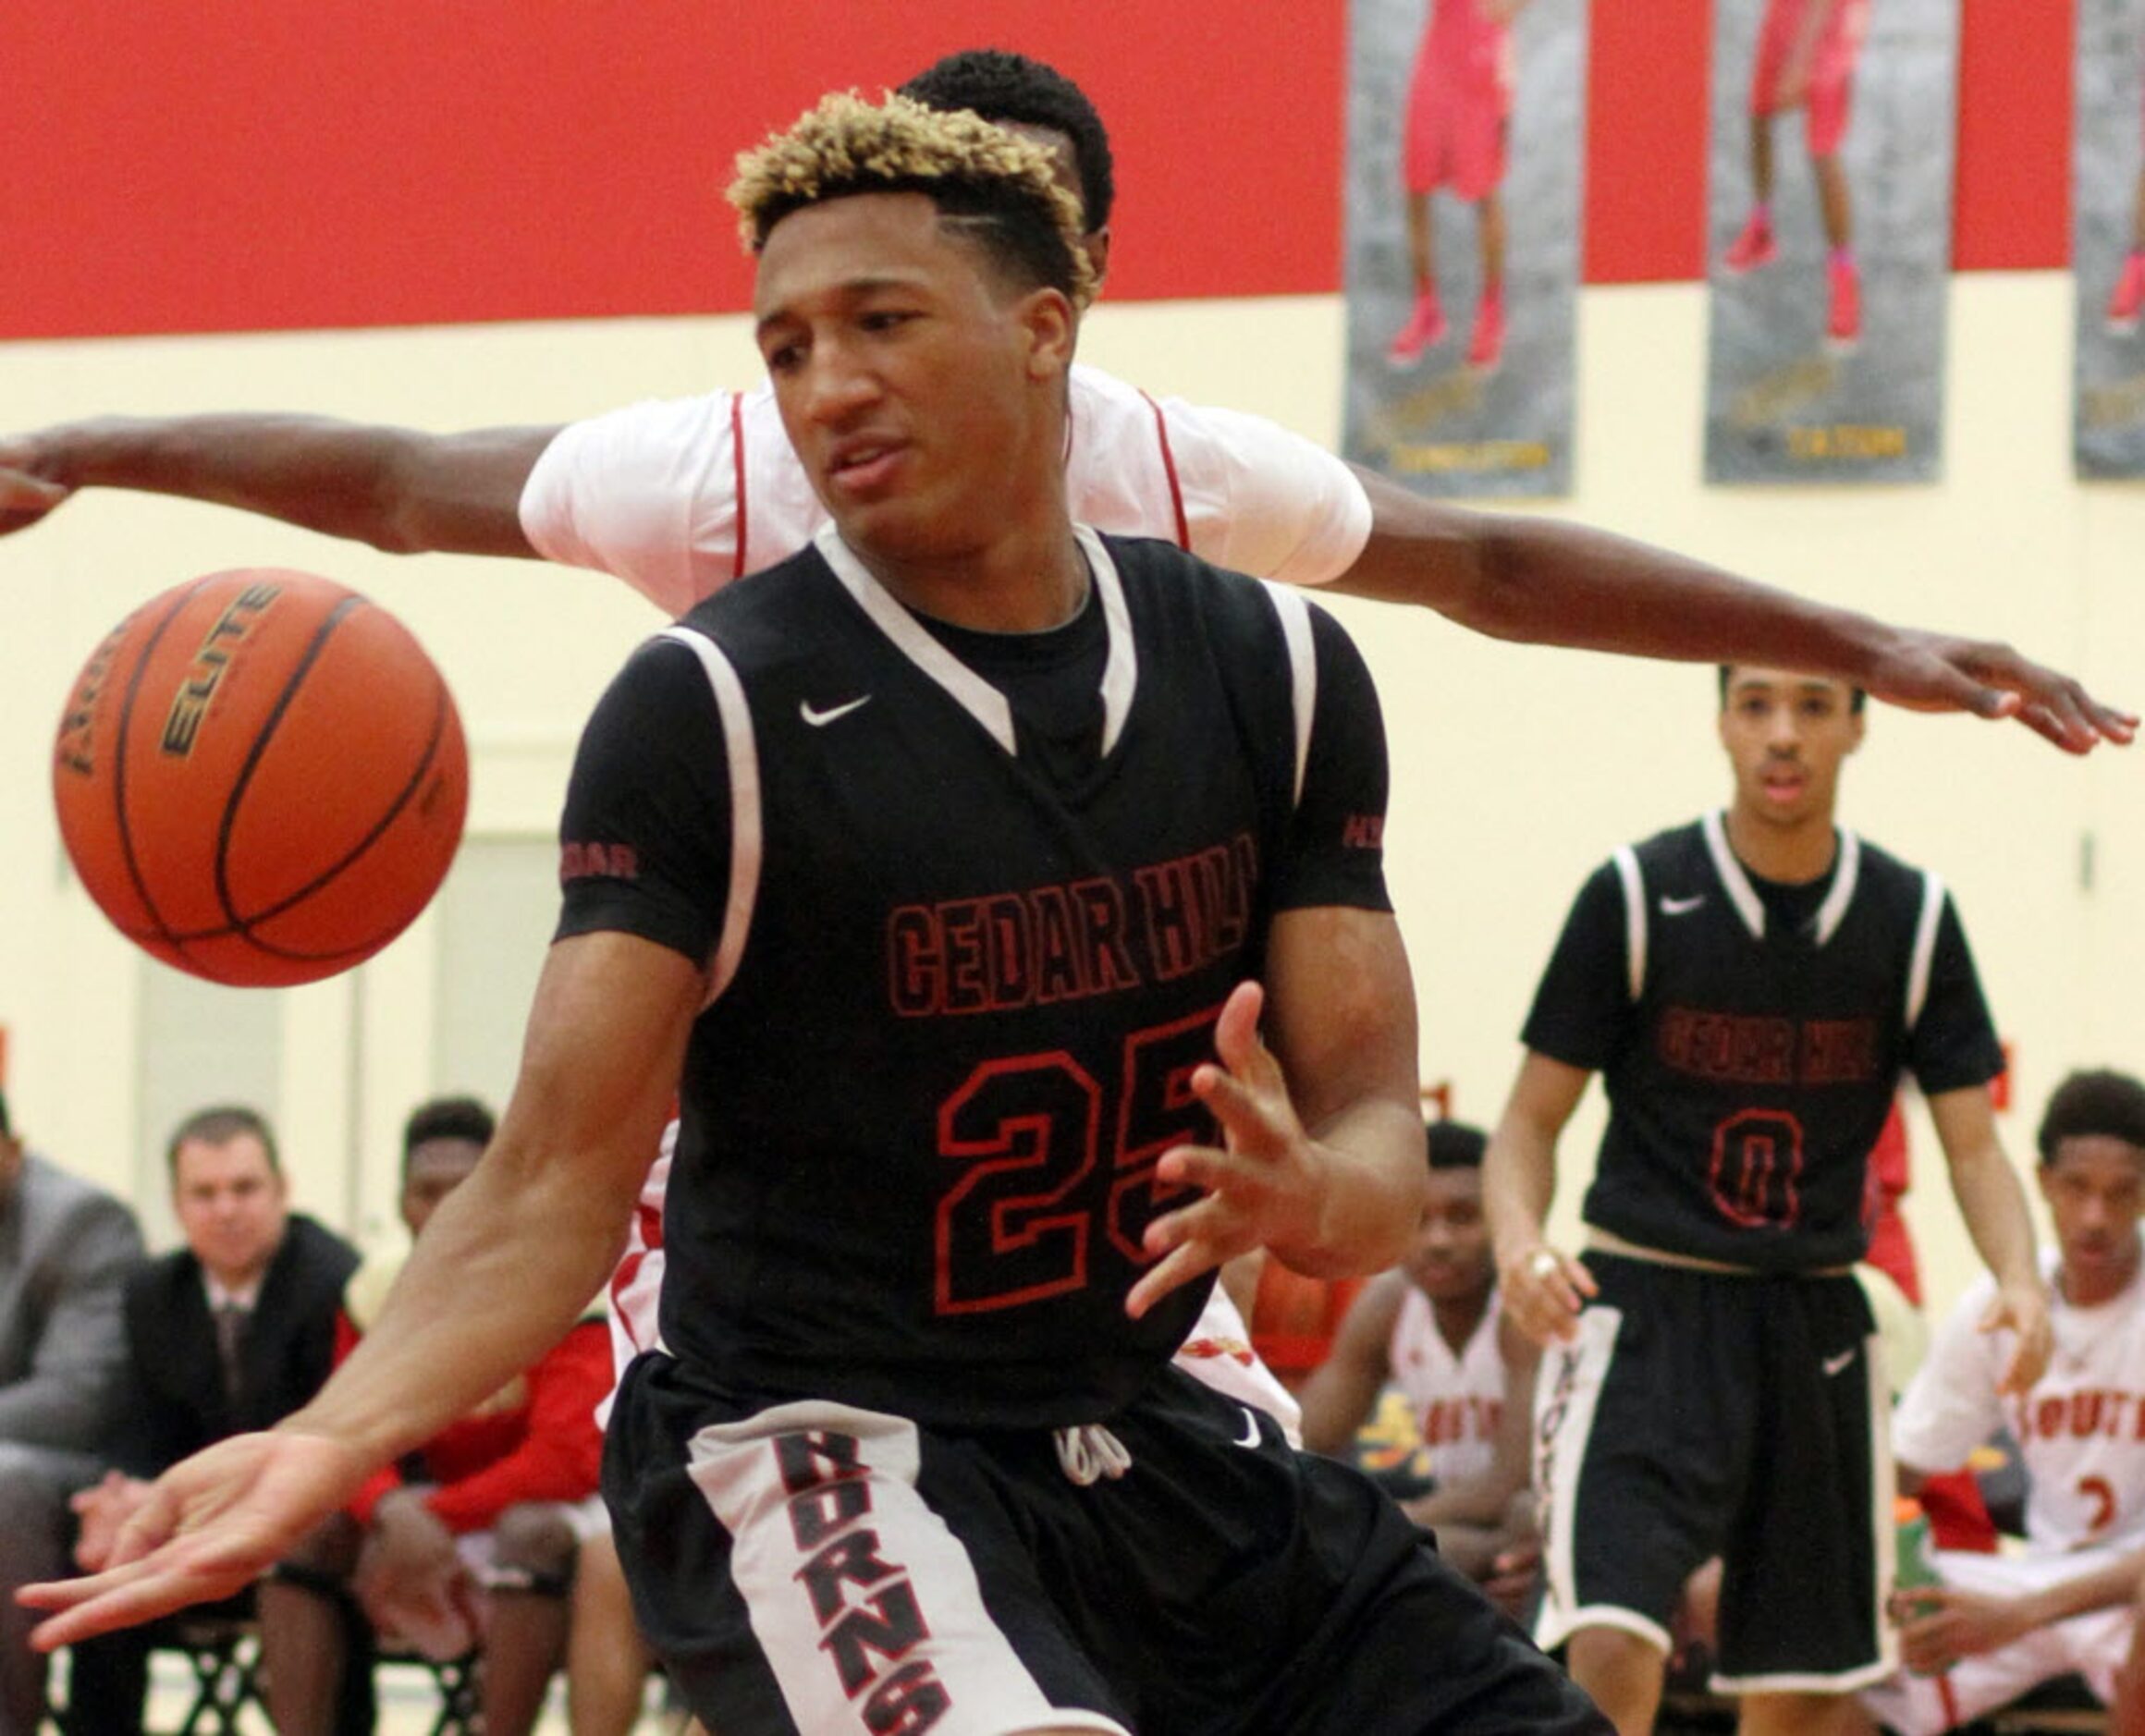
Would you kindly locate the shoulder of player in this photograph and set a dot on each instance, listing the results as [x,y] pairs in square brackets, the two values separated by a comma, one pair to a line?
[773,599]
[1186,598]
[1879,868]
[668,422]
[1177,576]
[1674,850]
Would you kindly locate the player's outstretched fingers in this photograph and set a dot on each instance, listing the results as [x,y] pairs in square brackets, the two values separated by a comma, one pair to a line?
[1184,1262]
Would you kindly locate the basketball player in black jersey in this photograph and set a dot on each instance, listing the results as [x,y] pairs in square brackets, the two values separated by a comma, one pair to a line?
[956,866]
[1750,987]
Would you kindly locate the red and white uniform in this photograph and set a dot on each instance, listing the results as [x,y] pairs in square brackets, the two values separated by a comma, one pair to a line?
[679,496]
[1217,1351]
[1456,1397]
[2081,1436]
[1459,102]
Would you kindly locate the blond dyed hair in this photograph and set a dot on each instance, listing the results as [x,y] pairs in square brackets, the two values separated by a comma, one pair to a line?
[994,184]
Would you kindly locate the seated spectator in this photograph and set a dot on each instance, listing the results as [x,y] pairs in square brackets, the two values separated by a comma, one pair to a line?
[232,1332]
[1432,1327]
[474,1538]
[1997,1625]
[66,1248]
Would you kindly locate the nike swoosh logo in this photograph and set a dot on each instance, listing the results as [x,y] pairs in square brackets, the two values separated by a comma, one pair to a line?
[1250,1437]
[1682,907]
[1832,1364]
[819,719]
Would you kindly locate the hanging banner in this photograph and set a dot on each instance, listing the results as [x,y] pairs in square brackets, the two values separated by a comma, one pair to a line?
[1464,131]
[2108,239]
[1829,225]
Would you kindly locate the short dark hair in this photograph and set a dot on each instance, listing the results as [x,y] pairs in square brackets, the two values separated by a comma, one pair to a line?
[2098,1100]
[1856,696]
[1455,1144]
[998,191]
[219,1125]
[448,1118]
[1011,88]
[7,1127]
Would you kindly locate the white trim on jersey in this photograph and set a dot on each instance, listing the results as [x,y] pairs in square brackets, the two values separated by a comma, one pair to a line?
[968,689]
[1121,671]
[1838,897]
[1294,614]
[1741,893]
[747,835]
[1924,961]
[1845,880]
[1635,929]
[733,1466]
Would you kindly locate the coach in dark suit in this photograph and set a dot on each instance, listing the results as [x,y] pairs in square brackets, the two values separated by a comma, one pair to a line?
[231,1333]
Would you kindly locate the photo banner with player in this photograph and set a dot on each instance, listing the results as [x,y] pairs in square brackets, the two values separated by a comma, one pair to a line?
[1465,121]
[2108,239]
[1828,228]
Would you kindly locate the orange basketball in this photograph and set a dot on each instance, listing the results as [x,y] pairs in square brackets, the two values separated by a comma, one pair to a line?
[260,778]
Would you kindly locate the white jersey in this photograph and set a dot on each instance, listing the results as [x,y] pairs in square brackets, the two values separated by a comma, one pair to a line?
[679,496]
[1216,1350]
[1456,1398]
[2080,1431]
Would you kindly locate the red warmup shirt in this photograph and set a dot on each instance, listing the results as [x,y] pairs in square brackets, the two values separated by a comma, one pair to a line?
[534,1440]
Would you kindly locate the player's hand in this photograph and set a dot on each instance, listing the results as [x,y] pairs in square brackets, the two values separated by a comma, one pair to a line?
[1261,1185]
[1542,1290]
[2024,1309]
[1935,672]
[25,497]
[210,1525]
[1941,1624]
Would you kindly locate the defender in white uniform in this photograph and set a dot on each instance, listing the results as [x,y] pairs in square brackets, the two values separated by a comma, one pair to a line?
[2000,1624]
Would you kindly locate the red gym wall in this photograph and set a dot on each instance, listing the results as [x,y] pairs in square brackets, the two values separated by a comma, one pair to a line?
[233,168]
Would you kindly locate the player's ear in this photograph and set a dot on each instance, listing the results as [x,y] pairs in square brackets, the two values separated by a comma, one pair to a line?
[1052,326]
[1857,724]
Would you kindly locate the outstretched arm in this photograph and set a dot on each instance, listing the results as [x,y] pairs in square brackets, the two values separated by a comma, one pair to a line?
[503,1269]
[398,489]
[1545,581]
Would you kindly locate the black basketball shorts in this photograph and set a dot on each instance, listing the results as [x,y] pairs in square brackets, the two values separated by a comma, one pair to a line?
[809,1567]
[1702,1414]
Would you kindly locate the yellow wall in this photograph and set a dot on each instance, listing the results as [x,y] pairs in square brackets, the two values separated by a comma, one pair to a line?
[1515,769]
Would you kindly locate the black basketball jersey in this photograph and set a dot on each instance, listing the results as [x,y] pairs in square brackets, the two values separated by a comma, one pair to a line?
[1750,1062]
[959,984]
